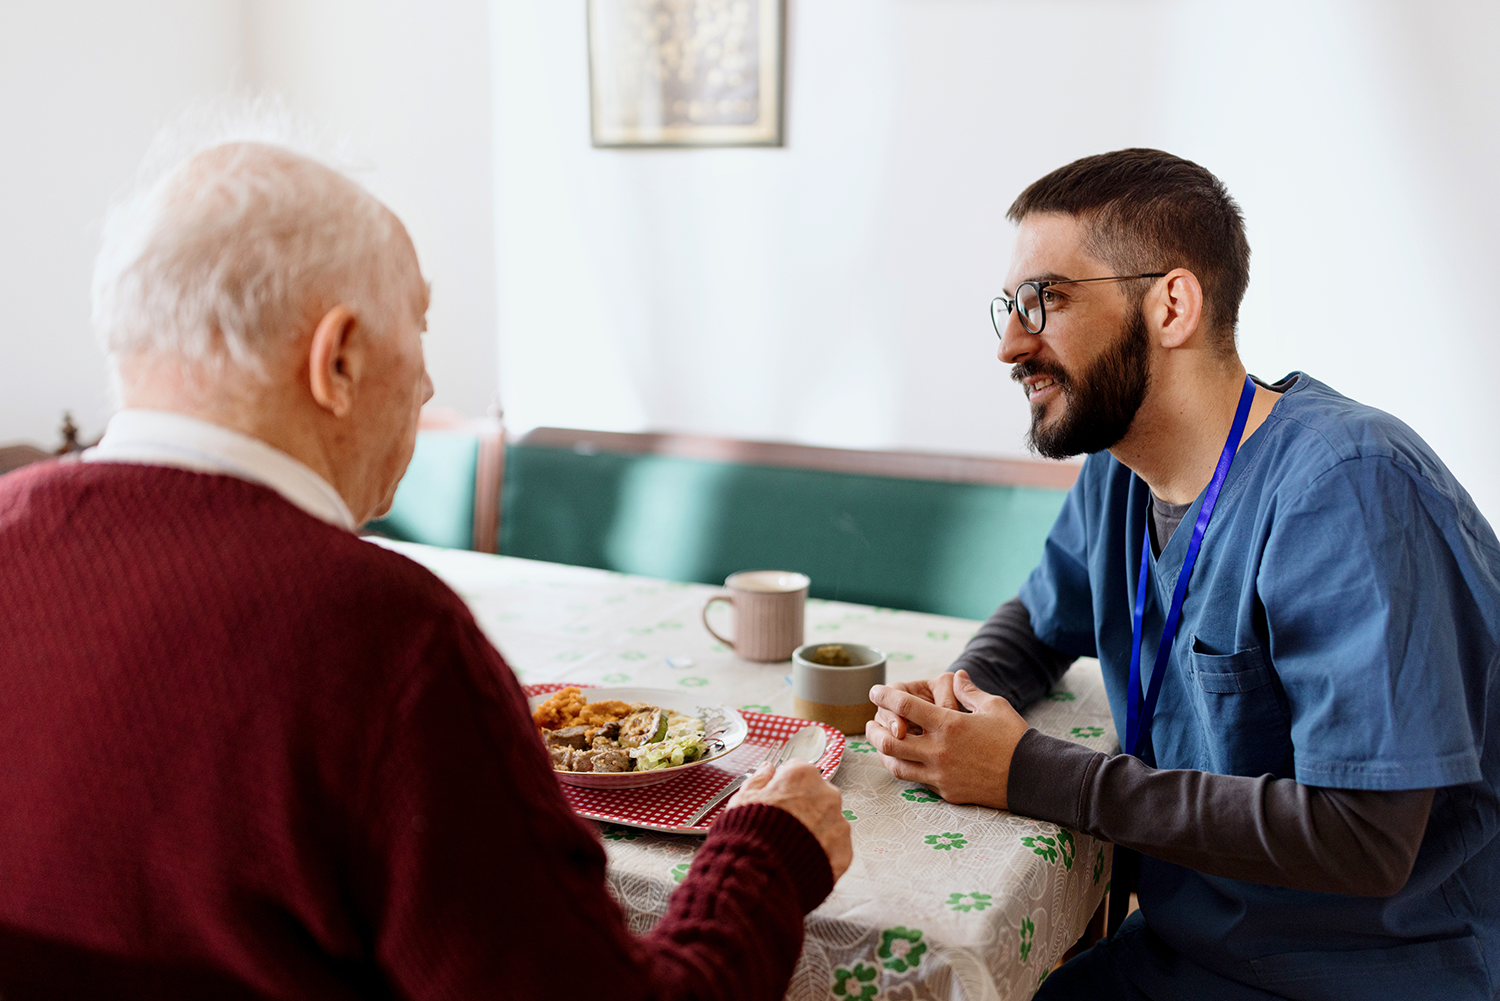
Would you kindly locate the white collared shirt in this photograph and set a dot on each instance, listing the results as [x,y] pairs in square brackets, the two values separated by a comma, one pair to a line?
[163,438]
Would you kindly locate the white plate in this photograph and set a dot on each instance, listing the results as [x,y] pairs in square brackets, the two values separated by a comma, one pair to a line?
[733,735]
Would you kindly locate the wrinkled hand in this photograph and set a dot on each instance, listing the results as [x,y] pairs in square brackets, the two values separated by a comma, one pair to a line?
[963,753]
[800,789]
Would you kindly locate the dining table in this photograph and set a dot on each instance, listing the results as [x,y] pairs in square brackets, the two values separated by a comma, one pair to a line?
[942,901]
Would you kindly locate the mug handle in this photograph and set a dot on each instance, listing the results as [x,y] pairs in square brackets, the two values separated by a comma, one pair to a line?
[718,597]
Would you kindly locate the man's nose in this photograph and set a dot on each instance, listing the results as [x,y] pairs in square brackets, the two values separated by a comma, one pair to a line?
[1017,343]
[426,386]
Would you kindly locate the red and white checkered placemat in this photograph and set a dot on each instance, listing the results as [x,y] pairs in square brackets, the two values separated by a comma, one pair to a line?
[666,807]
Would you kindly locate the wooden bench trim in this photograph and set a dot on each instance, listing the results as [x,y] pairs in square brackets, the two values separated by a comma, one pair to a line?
[16,456]
[895,465]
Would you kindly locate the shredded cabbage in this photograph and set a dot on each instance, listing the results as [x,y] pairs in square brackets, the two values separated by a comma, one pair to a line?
[683,743]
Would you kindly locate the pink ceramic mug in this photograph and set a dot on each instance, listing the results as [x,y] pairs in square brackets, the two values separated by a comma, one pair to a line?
[768,610]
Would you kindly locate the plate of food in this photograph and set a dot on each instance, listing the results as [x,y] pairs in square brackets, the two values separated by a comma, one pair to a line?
[625,738]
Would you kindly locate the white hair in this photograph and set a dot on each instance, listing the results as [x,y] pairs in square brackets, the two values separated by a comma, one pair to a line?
[235,240]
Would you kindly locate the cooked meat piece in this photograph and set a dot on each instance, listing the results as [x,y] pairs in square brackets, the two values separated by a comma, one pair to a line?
[611,760]
[610,730]
[582,761]
[604,742]
[568,736]
[643,727]
[560,756]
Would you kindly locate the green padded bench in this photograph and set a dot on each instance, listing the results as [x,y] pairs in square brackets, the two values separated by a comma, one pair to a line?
[945,534]
[450,493]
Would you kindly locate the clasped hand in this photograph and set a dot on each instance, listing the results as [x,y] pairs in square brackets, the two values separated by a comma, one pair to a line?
[949,734]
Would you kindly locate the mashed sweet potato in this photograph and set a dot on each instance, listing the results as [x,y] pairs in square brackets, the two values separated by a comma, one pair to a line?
[568,708]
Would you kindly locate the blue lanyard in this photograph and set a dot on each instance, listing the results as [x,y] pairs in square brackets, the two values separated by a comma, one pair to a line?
[1138,717]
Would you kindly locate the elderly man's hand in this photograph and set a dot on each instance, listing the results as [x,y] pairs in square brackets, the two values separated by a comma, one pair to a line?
[800,789]
[964,753]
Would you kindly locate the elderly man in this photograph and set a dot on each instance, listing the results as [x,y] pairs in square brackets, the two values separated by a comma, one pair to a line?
[1295,606]
[248,755]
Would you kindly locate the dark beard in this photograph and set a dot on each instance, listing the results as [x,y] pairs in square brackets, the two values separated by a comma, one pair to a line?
[1102,401]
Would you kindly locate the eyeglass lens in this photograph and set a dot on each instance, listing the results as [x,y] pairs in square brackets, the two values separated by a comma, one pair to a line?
[1029,303]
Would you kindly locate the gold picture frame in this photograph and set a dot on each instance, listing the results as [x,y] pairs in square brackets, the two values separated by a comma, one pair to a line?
[686,72]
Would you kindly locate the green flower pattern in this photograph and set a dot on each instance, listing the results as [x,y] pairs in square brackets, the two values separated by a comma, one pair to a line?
[1042,845]
[1053,848]
[901,948]
[965,902]
[856,983]
[947,841]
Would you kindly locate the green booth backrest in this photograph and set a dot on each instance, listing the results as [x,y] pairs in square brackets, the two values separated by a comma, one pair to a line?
[434,501]
[951,548]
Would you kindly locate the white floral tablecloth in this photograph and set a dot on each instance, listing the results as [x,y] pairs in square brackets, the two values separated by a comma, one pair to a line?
[942,901]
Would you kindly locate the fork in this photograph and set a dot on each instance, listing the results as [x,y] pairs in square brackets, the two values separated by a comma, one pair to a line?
[779,759]
[782,754]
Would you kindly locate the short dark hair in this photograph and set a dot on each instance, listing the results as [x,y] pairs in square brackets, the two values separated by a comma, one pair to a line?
[1151,211]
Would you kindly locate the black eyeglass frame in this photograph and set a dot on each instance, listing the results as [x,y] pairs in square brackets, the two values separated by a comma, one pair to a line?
[1010,303]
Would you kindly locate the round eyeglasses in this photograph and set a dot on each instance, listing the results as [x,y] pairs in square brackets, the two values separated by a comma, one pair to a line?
[1030,301]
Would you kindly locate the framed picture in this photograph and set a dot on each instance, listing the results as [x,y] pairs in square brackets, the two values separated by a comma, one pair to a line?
[686,72]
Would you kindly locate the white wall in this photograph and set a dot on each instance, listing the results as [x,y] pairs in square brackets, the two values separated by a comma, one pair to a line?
[836,291]
[83,88]
[86,84]
[408,84]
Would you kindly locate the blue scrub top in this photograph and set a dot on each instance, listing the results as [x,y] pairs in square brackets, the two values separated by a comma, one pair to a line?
[1341,627]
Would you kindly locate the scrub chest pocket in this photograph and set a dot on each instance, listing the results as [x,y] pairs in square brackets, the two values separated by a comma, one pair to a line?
[1242,712]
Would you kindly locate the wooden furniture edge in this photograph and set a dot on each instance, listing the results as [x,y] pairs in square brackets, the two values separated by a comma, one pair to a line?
[895,465]
[13,457]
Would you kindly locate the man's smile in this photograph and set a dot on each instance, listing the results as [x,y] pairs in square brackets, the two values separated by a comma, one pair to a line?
[1037,385]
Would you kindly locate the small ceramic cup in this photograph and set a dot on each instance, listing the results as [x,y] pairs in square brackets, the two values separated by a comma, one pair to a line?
[769,606]
[836,695]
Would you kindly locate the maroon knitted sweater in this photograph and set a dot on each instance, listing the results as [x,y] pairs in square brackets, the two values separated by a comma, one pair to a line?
[244,754]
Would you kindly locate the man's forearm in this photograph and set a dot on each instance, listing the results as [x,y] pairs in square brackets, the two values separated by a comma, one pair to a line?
[1264,830]
[1005,657]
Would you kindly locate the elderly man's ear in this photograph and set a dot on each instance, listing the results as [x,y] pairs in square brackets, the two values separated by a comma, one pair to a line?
[336,360]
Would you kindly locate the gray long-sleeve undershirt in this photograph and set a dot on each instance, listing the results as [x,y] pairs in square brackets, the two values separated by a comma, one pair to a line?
[1264,830]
